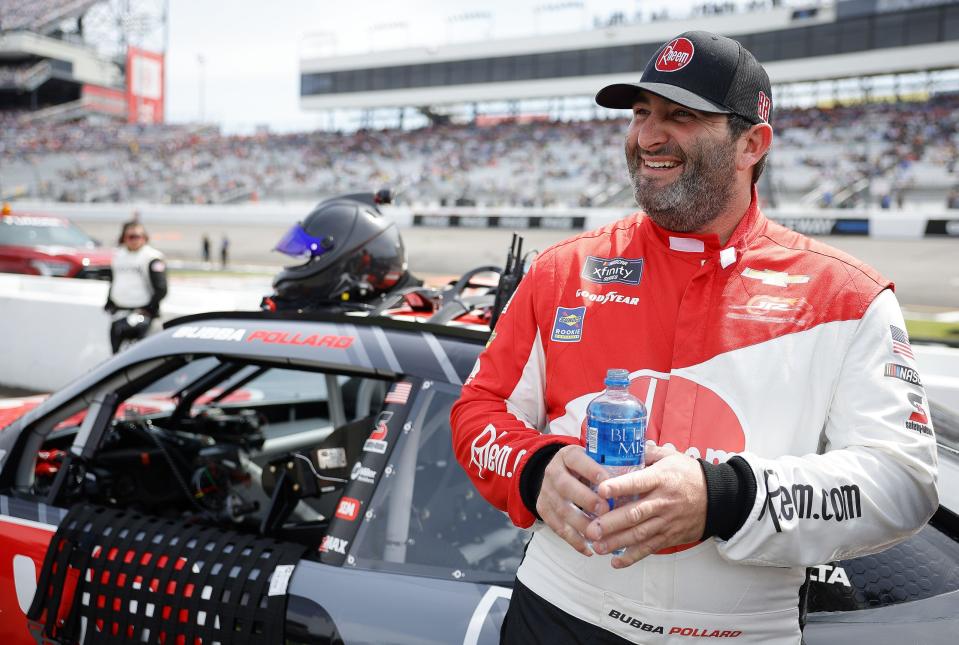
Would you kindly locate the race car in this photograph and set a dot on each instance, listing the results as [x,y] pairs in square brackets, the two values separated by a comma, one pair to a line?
[38,244]
[271,477]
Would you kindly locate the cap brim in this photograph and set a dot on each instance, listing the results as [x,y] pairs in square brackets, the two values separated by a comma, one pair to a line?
[622,96]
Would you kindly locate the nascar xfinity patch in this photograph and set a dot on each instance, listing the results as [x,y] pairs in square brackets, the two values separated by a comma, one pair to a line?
[610,270]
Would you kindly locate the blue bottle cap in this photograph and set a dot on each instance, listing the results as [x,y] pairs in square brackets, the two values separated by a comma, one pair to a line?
[617,377]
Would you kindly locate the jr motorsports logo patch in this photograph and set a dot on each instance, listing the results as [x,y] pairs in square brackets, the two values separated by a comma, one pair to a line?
[568,324]
[610,270]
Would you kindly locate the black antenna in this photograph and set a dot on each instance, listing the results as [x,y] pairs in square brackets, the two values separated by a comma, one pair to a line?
[509,280]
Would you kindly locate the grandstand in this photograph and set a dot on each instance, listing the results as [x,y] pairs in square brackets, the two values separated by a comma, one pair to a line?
[867,154]
[44,63]
[866,95]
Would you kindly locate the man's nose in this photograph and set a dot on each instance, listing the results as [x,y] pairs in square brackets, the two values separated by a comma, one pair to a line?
[650,133]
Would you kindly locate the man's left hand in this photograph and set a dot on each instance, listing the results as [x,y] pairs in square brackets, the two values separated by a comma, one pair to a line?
[671,509]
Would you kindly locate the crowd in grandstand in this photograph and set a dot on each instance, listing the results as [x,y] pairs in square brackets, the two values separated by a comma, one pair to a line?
[878,154]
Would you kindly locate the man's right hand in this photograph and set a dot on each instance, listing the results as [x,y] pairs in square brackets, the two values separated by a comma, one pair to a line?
[566,490]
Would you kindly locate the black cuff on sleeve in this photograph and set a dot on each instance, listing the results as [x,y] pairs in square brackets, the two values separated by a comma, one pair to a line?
[730,494]
[531,479]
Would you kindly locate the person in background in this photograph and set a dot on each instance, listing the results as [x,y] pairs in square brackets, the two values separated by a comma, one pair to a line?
[138,285]
[225,251]
[206,248]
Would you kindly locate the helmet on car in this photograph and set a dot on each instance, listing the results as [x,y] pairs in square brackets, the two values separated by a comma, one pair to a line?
[351,253]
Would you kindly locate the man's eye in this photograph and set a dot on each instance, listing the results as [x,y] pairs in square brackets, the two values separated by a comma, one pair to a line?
[683,114]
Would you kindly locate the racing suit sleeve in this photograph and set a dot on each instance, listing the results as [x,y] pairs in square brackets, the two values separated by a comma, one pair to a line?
[872,483]
[158,282]
[499,421]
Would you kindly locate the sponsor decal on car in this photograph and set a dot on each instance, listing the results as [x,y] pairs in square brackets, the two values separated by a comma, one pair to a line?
[26,220]
[839,503]
[334,544]
[610,296]
[486,454]
[772,309]
[900,342]
[903,373]
[568,325]
[348,509]
[362,474]
[377,440]
[399,393]
[610,270]
[287,338]
[774,278]
[831,575]
[677,54]
[210,333]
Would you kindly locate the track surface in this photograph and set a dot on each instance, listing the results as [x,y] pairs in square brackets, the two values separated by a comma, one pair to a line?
[926,272]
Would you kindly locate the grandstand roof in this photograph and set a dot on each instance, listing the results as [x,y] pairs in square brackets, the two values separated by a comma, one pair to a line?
[40,16]
[795,45]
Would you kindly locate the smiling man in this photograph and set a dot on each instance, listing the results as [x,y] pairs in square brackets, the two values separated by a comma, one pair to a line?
[767,362]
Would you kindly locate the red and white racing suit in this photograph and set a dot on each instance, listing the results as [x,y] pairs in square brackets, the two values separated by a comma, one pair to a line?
[773,347]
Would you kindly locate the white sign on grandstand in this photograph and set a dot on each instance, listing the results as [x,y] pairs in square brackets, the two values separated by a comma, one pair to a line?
[147,78]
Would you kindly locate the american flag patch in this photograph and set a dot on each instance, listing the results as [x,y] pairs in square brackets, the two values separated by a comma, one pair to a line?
[399,393]
[900,342]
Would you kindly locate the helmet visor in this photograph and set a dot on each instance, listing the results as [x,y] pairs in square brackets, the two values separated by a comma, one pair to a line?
[297,243]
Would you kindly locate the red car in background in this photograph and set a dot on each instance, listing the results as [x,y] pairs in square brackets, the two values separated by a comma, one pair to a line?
[47,245]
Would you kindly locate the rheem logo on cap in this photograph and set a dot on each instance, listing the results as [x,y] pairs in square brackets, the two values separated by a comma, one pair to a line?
[675,55]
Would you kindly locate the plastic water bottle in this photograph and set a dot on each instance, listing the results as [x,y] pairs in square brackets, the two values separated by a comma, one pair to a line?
[616,431]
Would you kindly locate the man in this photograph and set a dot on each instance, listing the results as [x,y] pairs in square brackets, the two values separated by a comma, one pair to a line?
[774,370]
[138,285]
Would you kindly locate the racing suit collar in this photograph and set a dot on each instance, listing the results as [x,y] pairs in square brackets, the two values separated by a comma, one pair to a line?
[697,247]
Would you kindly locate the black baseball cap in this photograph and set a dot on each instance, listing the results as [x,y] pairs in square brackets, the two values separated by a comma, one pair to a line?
[703,71]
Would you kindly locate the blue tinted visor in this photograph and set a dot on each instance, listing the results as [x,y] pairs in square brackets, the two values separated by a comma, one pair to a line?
[297,242]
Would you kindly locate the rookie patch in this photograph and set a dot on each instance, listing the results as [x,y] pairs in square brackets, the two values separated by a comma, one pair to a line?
[568,324]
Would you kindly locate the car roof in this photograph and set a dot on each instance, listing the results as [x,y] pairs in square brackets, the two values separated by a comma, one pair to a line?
[16,214]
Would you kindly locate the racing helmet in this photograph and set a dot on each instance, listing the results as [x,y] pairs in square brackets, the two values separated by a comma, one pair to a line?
[351,253]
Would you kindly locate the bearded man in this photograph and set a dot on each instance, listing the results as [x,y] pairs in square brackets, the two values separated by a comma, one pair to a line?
[781,441]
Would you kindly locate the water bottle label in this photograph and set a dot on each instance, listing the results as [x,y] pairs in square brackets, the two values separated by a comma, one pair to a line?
[616,443]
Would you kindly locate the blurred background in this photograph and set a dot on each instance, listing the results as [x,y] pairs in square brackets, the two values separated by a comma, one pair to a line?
[227,122]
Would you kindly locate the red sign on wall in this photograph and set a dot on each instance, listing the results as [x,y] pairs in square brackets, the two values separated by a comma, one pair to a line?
[144,86]
[104,100]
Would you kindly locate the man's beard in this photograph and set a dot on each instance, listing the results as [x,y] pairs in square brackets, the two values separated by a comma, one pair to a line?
[697,196]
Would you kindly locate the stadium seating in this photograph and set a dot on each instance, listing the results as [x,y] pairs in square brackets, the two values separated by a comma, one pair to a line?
[875,154]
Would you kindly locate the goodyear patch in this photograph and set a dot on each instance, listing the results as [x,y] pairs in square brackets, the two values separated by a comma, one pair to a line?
[568,324]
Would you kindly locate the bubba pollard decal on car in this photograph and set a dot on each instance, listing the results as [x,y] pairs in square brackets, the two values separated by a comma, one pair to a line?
[610,270]
[568,324]
[296,338]
[783,503]
[210,333]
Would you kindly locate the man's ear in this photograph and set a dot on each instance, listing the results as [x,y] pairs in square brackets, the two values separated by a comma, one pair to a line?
[753,144]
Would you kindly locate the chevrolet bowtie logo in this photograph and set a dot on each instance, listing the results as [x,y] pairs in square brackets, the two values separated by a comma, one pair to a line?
[775,278]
